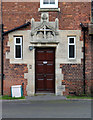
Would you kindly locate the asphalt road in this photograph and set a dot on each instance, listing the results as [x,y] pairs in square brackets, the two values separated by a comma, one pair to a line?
[46,109]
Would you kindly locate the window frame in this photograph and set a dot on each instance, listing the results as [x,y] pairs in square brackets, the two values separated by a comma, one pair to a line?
[48,5]
[92,11]
[74,44]
[21,44]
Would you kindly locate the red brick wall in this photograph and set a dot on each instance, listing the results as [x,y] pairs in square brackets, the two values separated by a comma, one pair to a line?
[73,74]
[70,16]
[14,73]
[73,78]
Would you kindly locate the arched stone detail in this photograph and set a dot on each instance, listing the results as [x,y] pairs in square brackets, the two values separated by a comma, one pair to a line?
[44,30]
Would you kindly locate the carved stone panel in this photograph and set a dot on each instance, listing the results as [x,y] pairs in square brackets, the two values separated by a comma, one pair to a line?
[44,30]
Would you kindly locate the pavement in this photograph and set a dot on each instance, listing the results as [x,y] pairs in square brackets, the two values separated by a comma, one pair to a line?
[46,106]
[47,97]
[46,109]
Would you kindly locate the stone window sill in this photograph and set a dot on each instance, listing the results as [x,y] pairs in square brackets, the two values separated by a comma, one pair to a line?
[49,9]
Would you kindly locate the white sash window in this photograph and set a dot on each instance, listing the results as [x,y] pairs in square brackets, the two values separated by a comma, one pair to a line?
[18,47]
[71,47]
[92,11]
[48,3]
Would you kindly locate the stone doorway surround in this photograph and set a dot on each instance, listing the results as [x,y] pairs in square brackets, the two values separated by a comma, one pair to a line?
[31,73]
[45,34]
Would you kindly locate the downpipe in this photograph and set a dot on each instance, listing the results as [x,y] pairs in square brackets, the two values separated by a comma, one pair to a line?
[84,29]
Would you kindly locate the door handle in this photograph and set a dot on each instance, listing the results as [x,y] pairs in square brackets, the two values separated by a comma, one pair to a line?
[44,75]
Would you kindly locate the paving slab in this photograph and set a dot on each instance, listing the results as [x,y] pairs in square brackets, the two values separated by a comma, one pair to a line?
[45,98]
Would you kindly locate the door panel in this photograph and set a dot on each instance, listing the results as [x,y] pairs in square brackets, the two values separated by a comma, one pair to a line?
[40,55]
[40,82]
[50,81]
[39,67]
[50,67]
[45,70]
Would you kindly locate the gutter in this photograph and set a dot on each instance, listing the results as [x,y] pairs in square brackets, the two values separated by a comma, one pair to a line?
[2,38]
[84,29]
[16,28]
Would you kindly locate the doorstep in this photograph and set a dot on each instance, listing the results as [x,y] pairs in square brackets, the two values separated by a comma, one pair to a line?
[45,97]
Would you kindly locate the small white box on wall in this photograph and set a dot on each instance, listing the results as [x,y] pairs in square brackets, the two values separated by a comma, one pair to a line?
[16,91]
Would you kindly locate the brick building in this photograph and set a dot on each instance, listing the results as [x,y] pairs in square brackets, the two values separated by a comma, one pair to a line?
[46,49]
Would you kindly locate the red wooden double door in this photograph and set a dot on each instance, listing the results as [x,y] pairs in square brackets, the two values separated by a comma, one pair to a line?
[45,70]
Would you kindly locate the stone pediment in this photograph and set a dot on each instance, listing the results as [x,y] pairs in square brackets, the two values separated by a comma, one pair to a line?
[44,30]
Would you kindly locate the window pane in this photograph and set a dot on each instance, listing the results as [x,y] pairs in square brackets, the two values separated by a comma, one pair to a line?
[92,19]
[17,40]
[45,1]
[18,51]
[71,40]
[52,1]
[71,51]
[92,12]
[48,1]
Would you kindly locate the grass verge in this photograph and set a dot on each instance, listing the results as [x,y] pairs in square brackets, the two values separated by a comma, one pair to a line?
[6,97]
[79,97]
